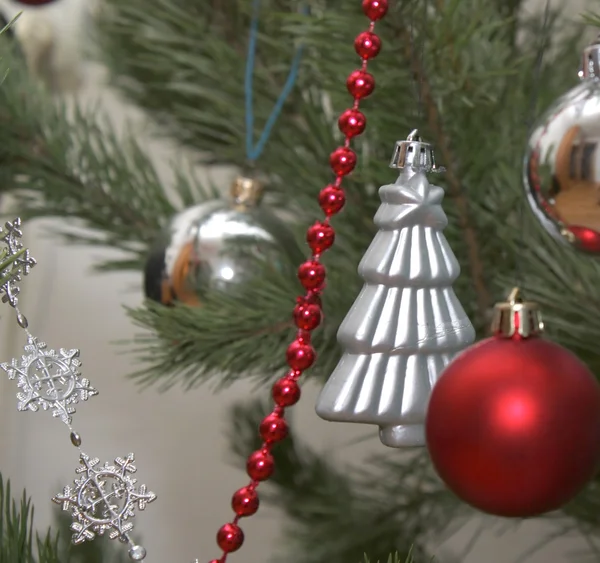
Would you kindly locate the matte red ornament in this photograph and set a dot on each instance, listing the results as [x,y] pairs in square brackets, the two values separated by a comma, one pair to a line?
[300,355]
[245,501]
[312,275]
[320,237]
[273,428]
[286,392]
[375,9]
[260,465]
[367,45]
[307,316]
[360,84]
[352,123]
[230,538]
[332,200]
[513,426]
[342,161]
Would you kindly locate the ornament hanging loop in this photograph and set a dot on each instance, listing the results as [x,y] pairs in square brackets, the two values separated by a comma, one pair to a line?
[414,153]
[590,61]
[515,317]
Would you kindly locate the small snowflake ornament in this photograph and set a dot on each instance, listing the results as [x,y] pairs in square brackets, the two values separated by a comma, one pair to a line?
[15,261]
[104,499]
[49,379]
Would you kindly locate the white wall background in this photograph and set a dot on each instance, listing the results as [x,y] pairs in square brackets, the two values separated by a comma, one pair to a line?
[178,438]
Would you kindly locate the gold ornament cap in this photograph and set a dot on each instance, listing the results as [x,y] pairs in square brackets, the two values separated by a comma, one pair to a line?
[517,317]
[246,192]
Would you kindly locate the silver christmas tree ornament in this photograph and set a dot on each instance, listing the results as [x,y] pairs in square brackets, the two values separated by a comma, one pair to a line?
[407,324]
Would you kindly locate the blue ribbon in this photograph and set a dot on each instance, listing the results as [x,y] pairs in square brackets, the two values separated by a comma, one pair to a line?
[253,152]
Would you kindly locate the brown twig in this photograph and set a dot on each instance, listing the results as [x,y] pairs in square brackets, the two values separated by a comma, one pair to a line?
[456,191]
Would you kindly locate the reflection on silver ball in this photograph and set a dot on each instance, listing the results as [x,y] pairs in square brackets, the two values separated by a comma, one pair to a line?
[562,163]
[137,553]
[216,246]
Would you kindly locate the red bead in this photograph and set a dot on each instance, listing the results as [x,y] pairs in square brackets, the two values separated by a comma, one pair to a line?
[585,239]
[286,392]
[375,9]
[260,465]
[342,161]
[352,123]
[312,275]
[367,45]
[360,84]
[505,408]
[332,200]
[300,356]
[320,237]
[273,428]
[230,538]
[307,316]
[215,561]
[245,501]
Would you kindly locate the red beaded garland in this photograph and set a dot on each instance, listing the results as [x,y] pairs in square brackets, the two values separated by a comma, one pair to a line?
[245,501]
[367,45]
[342,161]
[375,9]
[307,316]
[320,237]
[286,392]
[312,275]
[352,123]
[332,200]
[273,428]
[360,84]
[300,355]
[230,538]
[260,465]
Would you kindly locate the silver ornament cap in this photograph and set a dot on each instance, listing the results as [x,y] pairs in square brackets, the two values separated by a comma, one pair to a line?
[590,61]
[414,153]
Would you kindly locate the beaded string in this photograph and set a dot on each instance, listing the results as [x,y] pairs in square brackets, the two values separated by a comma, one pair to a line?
[307,314]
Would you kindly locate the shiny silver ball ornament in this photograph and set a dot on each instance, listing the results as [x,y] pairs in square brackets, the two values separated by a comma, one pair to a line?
[562,162]
[218,245]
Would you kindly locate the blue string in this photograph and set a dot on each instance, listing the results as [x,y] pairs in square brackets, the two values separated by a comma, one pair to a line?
[253,152]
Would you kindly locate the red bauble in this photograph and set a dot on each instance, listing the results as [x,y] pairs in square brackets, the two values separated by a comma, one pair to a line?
[367,45]
[300,355]
[375,9]
[360,84]
[273,428]
[307,316]
[230,538]
[332,200]
[352,123]
[342,161]
[286,392]
[320,237]
[260,465]
[245,501]
[586,239]
[312,275]
[513,426]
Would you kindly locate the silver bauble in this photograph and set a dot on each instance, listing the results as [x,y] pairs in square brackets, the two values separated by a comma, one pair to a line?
[562,162]
[218,245]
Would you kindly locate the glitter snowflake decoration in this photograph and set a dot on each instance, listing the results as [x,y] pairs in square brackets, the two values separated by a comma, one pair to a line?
[15,261]
[104,499]
[49,379]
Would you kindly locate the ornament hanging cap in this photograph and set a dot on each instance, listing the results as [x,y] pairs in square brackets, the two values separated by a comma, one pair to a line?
[414,153]
[590,63]
[516,317]
[246,192]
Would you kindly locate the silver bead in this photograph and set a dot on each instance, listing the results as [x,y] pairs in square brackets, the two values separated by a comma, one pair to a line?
[75,439]
[137,553]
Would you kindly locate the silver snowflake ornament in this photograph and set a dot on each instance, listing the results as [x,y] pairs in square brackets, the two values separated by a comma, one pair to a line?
[104,499]
[49,380]
[15,261]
